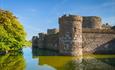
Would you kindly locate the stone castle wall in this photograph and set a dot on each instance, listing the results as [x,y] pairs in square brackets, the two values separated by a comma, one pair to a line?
[52,31]
[91,42]
[101,42]
[72,38]
[51,42]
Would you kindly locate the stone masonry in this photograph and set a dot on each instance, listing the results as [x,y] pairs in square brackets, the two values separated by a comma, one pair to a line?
[92,22]
[77,35]
[70,35]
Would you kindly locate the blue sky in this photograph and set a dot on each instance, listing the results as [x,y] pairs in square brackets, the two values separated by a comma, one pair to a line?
[39,15]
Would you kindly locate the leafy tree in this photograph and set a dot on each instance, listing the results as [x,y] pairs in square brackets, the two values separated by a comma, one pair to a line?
[12,61]
[12,34]
[113,27]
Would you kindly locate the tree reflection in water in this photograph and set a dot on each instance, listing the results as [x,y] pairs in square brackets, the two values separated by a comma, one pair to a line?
[95,62]
[12,61]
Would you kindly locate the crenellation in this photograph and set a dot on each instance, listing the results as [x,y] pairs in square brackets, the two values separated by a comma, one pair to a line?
[52,31]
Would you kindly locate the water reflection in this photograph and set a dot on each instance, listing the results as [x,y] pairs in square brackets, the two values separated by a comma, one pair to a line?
[89,62]
[33,63]
[12,61]
[44,52]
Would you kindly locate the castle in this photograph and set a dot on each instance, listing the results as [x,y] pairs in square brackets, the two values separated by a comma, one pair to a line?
[77,35]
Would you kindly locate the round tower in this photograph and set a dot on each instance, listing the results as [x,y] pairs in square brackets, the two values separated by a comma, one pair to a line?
[70,35]
[92,22]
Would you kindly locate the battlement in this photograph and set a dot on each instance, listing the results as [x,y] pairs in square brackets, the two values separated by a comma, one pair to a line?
[94,22]
[41,36]
[70,18]
[52,31]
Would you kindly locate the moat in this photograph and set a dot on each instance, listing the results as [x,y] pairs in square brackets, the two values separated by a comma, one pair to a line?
[39,59]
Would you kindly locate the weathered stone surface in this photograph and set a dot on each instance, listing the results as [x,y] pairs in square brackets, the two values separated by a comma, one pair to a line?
[52,31]
[70,35]
[92,41]
[92,22]
[72,38]
[35,40]
[51,42]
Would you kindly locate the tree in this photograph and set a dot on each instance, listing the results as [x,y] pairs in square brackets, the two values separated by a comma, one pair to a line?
[12,34]
[113,27]
[12,61]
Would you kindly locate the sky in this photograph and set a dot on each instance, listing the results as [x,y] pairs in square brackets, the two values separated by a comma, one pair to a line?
[39,15]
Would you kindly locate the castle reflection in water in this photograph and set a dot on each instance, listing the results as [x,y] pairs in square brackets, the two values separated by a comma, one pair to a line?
[87,62]
[53,61]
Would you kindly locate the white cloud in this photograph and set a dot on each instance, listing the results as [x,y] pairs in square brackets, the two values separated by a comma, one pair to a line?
[108,4]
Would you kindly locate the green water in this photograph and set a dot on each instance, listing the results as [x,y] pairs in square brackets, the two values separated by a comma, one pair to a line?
[35,59]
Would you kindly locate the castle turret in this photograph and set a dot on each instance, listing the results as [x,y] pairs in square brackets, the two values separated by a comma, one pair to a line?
[70,35]
[41,36]
[52,31]
[92,22]
[34,41]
